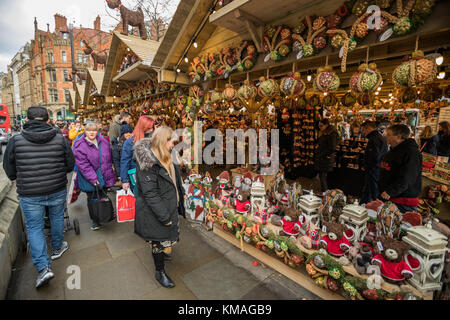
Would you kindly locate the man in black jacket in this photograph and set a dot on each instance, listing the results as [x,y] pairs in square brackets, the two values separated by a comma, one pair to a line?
[39,159]
[401,170]
[375,151]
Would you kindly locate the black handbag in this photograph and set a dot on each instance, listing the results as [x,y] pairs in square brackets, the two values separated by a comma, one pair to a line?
[102,207]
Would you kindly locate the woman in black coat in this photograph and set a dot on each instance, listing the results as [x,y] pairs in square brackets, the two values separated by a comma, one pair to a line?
[326,152]
[160,197]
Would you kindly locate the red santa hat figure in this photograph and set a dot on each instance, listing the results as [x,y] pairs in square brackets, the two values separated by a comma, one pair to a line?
[247,178]
[258,178]
[224,179]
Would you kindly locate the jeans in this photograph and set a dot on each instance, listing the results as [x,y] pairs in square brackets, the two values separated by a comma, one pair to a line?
[370,189]
[33,209]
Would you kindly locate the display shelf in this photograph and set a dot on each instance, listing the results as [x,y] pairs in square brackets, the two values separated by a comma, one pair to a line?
[299,277]
[436,179]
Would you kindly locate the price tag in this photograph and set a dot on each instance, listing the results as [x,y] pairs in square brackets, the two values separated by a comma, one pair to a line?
[267,58]
[300,55]
[226,75]
[380,246]
[324,229]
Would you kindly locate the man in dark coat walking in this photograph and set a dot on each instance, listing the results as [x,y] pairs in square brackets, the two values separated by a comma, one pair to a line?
[375,151]
[401,170]
[39,159]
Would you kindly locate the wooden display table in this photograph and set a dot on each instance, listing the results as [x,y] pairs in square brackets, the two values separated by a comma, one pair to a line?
[300,276]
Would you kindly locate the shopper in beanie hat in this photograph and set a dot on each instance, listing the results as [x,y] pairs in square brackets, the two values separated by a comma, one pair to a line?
[39,159]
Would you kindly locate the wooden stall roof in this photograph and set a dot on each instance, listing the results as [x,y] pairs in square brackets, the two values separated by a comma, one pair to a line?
[93,78]
[145,50]
[72,98]
[80,92]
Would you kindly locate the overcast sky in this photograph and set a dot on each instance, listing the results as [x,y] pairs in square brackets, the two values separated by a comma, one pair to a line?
[17,22]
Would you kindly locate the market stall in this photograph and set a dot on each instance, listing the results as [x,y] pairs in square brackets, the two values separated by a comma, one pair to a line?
[256,64]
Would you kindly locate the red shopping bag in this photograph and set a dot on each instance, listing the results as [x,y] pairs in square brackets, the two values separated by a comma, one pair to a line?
[125,201]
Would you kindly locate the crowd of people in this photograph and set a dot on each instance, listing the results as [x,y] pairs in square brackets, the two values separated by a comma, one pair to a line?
[140,159]
[44,153]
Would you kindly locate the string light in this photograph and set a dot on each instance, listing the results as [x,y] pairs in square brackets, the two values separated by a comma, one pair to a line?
[195,44]
[379,89]
[178,70]
[441,75]
[308,78]
[186,60]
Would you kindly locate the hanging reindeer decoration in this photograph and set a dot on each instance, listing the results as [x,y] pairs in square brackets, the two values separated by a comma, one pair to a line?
[99,58]
[130,18]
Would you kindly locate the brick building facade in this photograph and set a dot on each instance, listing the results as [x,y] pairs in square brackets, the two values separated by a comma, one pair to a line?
[51,61]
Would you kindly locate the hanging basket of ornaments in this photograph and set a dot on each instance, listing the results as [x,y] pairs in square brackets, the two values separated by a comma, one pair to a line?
[326,80]
[416,71]
[366,80]
[292,85]
[267,87]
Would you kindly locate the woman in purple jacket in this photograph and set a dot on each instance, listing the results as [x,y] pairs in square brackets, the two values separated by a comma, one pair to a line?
[86,151]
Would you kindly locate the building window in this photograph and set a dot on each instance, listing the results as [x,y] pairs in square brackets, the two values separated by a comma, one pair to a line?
[81,44]
[64,56]
[53,95]
[66,75]
[67,95]
[85,59]
[50,56]
[65,35]
[80,57]
[52,75]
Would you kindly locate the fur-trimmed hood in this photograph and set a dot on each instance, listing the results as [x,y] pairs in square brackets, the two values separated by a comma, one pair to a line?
[145,158]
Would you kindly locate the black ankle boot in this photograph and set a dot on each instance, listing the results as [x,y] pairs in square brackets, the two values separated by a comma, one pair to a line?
[164,279]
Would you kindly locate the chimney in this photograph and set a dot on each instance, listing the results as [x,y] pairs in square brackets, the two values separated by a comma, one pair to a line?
[35,25]
[60,23]
[97,23]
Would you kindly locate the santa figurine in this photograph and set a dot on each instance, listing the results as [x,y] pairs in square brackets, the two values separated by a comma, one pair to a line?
[246,182]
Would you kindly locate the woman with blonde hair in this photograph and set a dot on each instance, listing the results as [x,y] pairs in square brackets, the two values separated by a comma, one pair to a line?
[160,197]
[428,141]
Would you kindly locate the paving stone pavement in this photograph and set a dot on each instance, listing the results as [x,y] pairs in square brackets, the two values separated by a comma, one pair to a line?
[115,264]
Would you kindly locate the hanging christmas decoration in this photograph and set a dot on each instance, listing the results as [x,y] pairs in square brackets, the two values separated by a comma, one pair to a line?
[418,70]
[366,79]
[292,85]
[275,50]
[326,80]
[197,70]
[247,55]
[228,58]
[247,91]
[229,93]
[267,87]
[314,29]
